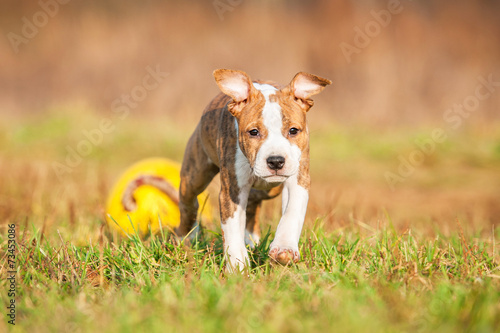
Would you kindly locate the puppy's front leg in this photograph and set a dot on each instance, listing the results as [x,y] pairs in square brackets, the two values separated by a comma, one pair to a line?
[285,246]
[233,219]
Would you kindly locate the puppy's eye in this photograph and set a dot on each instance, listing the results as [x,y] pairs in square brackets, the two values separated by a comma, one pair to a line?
[293,131]
[254,132]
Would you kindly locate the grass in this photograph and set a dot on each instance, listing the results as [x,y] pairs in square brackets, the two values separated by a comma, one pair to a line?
[423,258]
[386,282]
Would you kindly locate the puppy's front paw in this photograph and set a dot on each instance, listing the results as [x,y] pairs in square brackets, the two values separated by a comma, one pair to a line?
[284,255]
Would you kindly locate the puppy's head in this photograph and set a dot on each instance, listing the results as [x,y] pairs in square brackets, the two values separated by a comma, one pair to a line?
[272,128]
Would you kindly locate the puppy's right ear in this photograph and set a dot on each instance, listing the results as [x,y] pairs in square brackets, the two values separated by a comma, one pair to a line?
[235,84]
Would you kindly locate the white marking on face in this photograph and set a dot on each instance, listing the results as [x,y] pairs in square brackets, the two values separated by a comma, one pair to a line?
[275,144]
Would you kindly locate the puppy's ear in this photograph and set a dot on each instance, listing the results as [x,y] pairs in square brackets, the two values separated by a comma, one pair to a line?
[305,85]
[235,84]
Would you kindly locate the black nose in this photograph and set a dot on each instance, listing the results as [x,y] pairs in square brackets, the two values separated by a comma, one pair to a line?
[275,162]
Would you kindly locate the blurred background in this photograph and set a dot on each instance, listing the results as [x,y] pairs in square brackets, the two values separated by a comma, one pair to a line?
[424,60]
[396,67]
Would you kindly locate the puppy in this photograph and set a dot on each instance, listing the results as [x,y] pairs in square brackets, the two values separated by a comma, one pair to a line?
[255,134]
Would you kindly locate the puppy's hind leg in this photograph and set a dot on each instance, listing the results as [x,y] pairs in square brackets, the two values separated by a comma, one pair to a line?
[252,232]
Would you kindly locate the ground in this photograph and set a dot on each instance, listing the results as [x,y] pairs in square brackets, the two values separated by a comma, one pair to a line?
[418,254]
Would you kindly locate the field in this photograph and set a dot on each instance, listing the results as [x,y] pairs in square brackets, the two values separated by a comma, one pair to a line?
[403,225]
[373,258]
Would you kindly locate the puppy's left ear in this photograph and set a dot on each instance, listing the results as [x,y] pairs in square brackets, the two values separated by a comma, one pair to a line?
[305,85]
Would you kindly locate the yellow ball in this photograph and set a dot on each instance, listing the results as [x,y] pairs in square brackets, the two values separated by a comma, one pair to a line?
[145,194]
